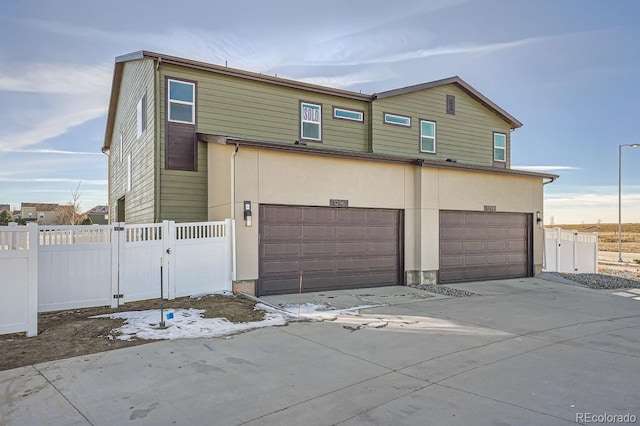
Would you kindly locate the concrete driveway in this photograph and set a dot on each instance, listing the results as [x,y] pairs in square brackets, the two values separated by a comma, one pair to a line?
[525,351]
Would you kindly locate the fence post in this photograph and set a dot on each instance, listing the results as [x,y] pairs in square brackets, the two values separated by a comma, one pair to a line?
[32,292]
[575,251]
[168,251]
[558,236]
[118,265]
[595,253]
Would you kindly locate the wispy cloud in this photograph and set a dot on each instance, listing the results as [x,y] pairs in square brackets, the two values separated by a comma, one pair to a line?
[55,180]
[74,79]
[544,168]
[47,151]
[348,80]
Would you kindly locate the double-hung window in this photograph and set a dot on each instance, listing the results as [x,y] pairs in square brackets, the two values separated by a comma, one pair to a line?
[500,147]
[310,121]
[182,103]
[428,136]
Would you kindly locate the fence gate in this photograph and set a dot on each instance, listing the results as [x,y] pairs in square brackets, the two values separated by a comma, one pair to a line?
[570,251]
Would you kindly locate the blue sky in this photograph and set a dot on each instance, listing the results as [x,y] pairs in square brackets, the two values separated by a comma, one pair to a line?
[568,70]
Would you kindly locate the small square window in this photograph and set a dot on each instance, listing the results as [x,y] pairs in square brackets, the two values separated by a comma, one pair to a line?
[428,136]
[397,120]
[500,147]
[310,121]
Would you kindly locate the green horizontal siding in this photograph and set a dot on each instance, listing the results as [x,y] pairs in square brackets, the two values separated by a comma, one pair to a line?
[466,136]
[243,108]
[137,80]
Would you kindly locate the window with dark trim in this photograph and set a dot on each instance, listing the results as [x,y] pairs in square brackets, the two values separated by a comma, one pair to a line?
[499,147]
[348,114]
[310,121]
[182,101]
[181,147]
[428,136]
[396,120]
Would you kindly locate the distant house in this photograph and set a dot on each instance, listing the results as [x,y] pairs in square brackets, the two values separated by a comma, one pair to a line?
[4,207]
[46,213]
[99,215]
[410,185]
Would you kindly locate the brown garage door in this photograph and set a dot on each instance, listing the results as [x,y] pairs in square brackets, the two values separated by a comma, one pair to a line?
[478,246]
[336,248]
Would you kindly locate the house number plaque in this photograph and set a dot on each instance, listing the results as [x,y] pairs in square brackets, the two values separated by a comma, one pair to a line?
[339,203]
[490,208]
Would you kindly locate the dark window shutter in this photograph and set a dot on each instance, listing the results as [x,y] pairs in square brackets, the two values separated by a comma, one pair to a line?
[451,104]
[144,112]
[181,147]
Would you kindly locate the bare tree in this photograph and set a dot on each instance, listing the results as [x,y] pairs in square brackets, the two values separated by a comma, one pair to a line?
[69,214]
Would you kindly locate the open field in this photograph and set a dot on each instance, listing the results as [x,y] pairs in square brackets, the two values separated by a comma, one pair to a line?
[608,235]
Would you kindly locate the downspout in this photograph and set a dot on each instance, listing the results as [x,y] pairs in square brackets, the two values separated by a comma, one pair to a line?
[233,215]
[157,149]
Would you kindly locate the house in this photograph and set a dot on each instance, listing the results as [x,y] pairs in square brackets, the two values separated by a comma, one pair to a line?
[99,215]
[41,213]
[4,207]
[412,185]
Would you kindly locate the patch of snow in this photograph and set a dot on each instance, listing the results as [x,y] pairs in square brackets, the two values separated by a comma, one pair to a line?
[186,323]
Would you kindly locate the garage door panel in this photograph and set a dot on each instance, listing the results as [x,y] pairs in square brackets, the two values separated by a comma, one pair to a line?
[451,261]
[472,260]
[318,216]
[475,233]
[354,232]
[280,249]
[496,233]
[319,248]
[497,246]
[475,247]
[448,234]
[452,218]
[283,231]
[471,220]
[451,247]
[353,249]
[278,267]
[496,220]
[497,259]
[318,231]
[336,248]
[486,246]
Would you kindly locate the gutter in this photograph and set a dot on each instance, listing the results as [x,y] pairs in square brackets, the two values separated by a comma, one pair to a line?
[234,257]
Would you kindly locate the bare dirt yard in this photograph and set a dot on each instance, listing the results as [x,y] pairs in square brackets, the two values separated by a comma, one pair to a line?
[608,235]
[66,334]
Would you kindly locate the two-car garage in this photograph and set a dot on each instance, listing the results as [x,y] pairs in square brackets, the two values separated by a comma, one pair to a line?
[345,248]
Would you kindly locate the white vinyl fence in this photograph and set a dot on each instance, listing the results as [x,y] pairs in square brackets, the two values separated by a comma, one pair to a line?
[19,280]
[68,267]
[570,251]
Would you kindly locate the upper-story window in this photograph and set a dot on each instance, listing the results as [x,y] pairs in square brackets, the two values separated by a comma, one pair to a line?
[310,121]
[182,101]
[348,114]
[397,120]
[141,116]
[500,147]
[428,136]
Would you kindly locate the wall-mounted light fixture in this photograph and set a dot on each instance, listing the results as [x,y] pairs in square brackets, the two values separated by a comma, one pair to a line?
[539,219]
[247,212]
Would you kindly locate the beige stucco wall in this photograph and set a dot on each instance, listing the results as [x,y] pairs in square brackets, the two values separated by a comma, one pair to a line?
[273,177]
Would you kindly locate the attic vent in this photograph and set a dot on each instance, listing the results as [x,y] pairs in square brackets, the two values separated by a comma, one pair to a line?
[451,104]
